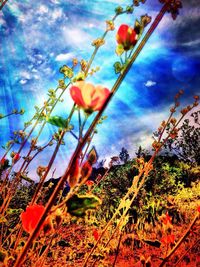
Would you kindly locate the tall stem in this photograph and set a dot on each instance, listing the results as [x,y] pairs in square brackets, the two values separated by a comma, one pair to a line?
[3,4]
[44,123]
[85,138]
[48,168]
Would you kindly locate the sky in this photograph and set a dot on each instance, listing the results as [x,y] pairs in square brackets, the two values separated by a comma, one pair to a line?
[38,37]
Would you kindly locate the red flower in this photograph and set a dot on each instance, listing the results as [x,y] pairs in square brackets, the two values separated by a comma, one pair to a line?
[198,209]
[16,157]
[31,216]
[126,36]
[95,234]
[89,97]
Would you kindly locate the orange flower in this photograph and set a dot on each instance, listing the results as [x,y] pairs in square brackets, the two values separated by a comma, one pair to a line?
[31,217]
[89,183]
[126,36]
[89,97]
[198,208]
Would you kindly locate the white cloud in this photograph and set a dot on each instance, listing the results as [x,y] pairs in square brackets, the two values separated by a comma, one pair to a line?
[56,14]
[64,57]
[36,77]
[34,70]
[191,43]
[23,81]
[43,10]
[76,37]
[25,75]
[150,83]
[55,2]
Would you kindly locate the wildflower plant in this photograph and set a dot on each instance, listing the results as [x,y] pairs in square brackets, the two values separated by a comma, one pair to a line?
[42,222]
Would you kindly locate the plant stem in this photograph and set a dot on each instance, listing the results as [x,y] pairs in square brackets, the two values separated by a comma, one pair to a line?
[39,150]
[102,178]
[3,4]
[48,168]
[79,123]
[16,181]
[82,127]
[44,123]
[192,246]
[80,146]
[180,240]
[115,87]
[87,147]
[117,252]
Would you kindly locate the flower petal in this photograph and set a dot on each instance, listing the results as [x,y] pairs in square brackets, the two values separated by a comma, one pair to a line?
[76,95]
[122,34]
[31,216]
[87,93]
[102,94]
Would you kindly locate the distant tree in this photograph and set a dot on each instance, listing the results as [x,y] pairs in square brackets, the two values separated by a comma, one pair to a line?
[187,145]
[142,153]
[124,155]
[100,164]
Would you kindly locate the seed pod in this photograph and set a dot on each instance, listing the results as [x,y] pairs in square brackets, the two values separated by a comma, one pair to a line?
[75,174]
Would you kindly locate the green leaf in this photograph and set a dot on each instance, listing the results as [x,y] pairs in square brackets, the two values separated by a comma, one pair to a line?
[78,205]
[57,121]
[118,67]
[13,211]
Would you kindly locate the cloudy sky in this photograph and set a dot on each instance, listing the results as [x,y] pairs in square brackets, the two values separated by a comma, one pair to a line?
[38,37]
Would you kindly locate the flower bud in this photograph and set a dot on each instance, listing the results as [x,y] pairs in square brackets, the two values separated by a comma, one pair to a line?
[16,157]
[74,175]
[86,171]
[126,36]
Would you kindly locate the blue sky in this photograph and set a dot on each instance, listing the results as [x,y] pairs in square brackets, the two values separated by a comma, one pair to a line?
[38,37]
